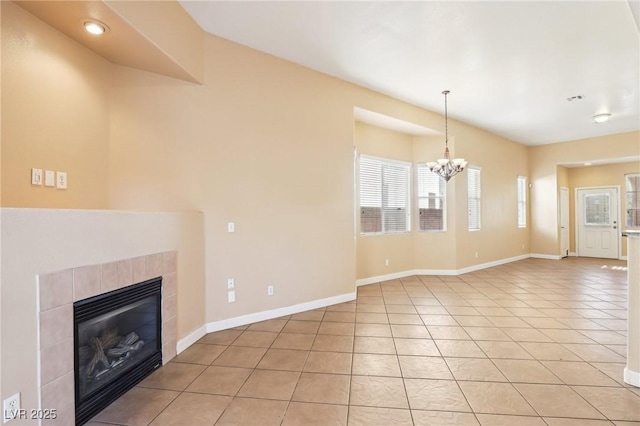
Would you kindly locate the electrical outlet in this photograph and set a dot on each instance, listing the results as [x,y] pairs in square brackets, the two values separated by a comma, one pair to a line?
[270,290]
[231,283]
[231,296]
[231,227]
[476,255]
[386,262]
[11,408]
[61,180]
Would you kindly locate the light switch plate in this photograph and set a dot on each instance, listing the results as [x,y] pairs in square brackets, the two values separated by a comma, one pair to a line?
[36,176]
[231,227]
[49,178]
[61,180]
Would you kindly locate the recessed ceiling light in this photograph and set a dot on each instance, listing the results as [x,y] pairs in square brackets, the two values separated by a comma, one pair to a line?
[601,118]
[95,27]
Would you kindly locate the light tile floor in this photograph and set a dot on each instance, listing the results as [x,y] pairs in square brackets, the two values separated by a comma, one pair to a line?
[534,342]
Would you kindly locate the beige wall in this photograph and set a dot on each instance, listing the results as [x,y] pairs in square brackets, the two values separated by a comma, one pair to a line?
[437,250]
[373,250]
[168,26]
[413,250]
[262,143]
[55,115]
[594,176]
[502,161]
[1,118]
[543,162]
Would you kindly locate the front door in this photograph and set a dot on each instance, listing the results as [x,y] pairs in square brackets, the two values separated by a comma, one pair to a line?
[597,219]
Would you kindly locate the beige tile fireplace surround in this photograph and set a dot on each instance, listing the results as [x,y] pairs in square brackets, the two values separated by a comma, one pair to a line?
[58,291]
[52,258]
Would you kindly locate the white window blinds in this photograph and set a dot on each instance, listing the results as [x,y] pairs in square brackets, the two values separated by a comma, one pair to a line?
[473,197]
[384,196]
[522,202]
[431,200]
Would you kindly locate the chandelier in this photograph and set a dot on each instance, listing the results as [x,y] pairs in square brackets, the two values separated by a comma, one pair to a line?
[445,167]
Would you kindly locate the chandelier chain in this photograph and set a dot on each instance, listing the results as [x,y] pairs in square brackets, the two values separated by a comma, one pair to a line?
[446,120]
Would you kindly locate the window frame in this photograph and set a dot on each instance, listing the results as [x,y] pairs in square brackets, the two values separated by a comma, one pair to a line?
[407,172]
[522,201]
[477,196]
[632,201]
[441,195]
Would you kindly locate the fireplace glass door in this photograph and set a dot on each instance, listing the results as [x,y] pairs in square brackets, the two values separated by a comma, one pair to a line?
[117,343]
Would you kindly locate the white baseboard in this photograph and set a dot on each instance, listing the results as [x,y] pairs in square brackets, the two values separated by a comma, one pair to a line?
[491,264]
[632,377]
[435,272]
[190,339]
[546,256]
[409,273]
[386,277]
[275,313]
[574,254]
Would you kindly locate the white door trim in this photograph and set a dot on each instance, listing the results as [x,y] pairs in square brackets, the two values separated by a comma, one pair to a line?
[578,212]
[564,211]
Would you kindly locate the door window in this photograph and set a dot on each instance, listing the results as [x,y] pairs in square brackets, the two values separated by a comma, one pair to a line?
[596,209]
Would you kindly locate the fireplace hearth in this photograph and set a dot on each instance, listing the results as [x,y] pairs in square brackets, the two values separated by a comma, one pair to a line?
[117,343]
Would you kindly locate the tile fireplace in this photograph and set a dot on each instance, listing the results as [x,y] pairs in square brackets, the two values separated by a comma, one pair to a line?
[63,291]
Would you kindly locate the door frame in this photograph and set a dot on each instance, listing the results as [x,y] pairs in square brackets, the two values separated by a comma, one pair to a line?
[565,210]
[577,215]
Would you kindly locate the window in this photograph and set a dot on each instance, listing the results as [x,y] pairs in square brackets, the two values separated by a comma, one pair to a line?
[432,215]
[632,184]
[473,197]
[522,202]
[596,209]
[384,196]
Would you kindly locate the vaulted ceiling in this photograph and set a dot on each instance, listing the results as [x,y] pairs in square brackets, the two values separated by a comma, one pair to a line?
[511,66]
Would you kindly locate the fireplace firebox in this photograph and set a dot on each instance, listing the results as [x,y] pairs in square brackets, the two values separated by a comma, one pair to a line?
[117,343]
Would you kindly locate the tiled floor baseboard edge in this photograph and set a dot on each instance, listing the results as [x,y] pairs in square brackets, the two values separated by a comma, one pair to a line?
[187,341]
[191,338]
[632,377]
[404,274]
[546,256]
